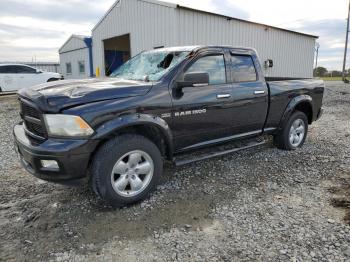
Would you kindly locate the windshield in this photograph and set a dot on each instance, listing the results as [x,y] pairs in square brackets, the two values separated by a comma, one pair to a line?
[150,66]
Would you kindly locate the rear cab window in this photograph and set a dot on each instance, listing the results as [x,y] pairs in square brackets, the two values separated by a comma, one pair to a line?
[243,69]
[25,70]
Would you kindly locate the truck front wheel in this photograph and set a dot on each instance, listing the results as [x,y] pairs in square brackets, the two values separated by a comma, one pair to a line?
[294,132]
[126,169]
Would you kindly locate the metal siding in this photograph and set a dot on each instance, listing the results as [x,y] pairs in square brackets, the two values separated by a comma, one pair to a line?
[150,24]
[72,44]
[293,54]
[74,57]
[48,67]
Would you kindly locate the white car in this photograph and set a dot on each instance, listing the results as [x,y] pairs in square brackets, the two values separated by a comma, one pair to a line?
[16,76]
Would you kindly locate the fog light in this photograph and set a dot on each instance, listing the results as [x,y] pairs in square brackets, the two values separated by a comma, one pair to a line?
[49,164]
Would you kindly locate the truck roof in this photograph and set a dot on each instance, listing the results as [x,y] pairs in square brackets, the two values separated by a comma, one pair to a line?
[13,64]
[199,47]
[176,49]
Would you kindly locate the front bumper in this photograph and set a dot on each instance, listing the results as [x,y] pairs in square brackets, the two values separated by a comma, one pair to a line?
[72,156]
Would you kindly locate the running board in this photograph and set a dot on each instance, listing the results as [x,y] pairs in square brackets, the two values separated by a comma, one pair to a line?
[184,161]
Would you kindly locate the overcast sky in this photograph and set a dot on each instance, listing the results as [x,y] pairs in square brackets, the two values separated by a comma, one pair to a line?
[37,28]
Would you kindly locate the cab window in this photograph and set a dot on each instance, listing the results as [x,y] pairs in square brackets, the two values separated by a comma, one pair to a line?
[25,70]
[243,69]
[214,65]
[8,70]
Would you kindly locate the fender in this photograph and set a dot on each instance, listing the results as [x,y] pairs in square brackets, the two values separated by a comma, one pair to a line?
[291,106]
[129,120]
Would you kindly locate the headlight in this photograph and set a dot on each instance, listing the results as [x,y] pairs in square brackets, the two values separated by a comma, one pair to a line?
[67,125]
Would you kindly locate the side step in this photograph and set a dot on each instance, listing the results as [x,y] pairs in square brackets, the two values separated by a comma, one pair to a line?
[216,151]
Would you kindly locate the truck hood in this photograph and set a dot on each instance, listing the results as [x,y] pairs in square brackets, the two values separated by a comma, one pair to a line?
[55,96]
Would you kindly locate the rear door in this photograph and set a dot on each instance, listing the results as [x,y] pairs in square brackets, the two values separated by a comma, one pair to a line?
[249,93]
[203,113]
[8,78]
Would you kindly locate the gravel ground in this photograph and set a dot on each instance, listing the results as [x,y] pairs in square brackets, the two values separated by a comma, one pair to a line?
[262,204]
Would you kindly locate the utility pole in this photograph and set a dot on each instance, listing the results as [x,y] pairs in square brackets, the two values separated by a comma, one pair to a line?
[317,48]
[346,44]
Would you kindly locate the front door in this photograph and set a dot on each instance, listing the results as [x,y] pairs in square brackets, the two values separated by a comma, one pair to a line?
[203,113]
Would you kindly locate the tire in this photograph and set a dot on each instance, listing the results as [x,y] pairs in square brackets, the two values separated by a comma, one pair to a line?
[297,127]
[52,79]
[117,165]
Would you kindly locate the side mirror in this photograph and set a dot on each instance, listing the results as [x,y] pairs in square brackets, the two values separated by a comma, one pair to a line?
[38,71]
[268,63]
[194,79]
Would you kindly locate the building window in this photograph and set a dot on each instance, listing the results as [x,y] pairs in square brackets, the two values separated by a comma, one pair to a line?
[81,65]
[68,68]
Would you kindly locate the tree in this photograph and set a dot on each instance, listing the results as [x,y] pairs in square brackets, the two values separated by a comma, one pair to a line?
[336,73]
[320,71]
[347,72]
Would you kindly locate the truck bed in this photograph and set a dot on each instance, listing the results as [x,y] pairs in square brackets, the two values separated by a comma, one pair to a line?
[282,92]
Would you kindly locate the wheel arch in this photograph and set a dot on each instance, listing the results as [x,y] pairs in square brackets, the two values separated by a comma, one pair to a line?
[52,79]
[151,127]
[306,108]
[301,103]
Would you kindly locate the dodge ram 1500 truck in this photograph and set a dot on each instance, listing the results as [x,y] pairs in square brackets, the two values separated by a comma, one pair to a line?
[118,131]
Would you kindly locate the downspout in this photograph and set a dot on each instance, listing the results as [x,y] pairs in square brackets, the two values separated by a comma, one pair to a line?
[88,42]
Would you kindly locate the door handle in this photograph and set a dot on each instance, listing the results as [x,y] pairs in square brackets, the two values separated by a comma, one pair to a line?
[259,92]
[221,96]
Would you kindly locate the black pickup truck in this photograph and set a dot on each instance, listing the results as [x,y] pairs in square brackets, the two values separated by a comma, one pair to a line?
[118,131]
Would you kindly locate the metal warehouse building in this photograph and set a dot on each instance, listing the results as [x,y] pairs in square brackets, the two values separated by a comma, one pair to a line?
[76,57]
[131,26]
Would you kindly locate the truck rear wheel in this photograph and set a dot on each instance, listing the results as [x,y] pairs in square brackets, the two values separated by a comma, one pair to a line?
[294,132]
[126,169]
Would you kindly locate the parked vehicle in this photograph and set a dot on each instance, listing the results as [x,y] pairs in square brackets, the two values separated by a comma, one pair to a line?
[16,76]
[159,105]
